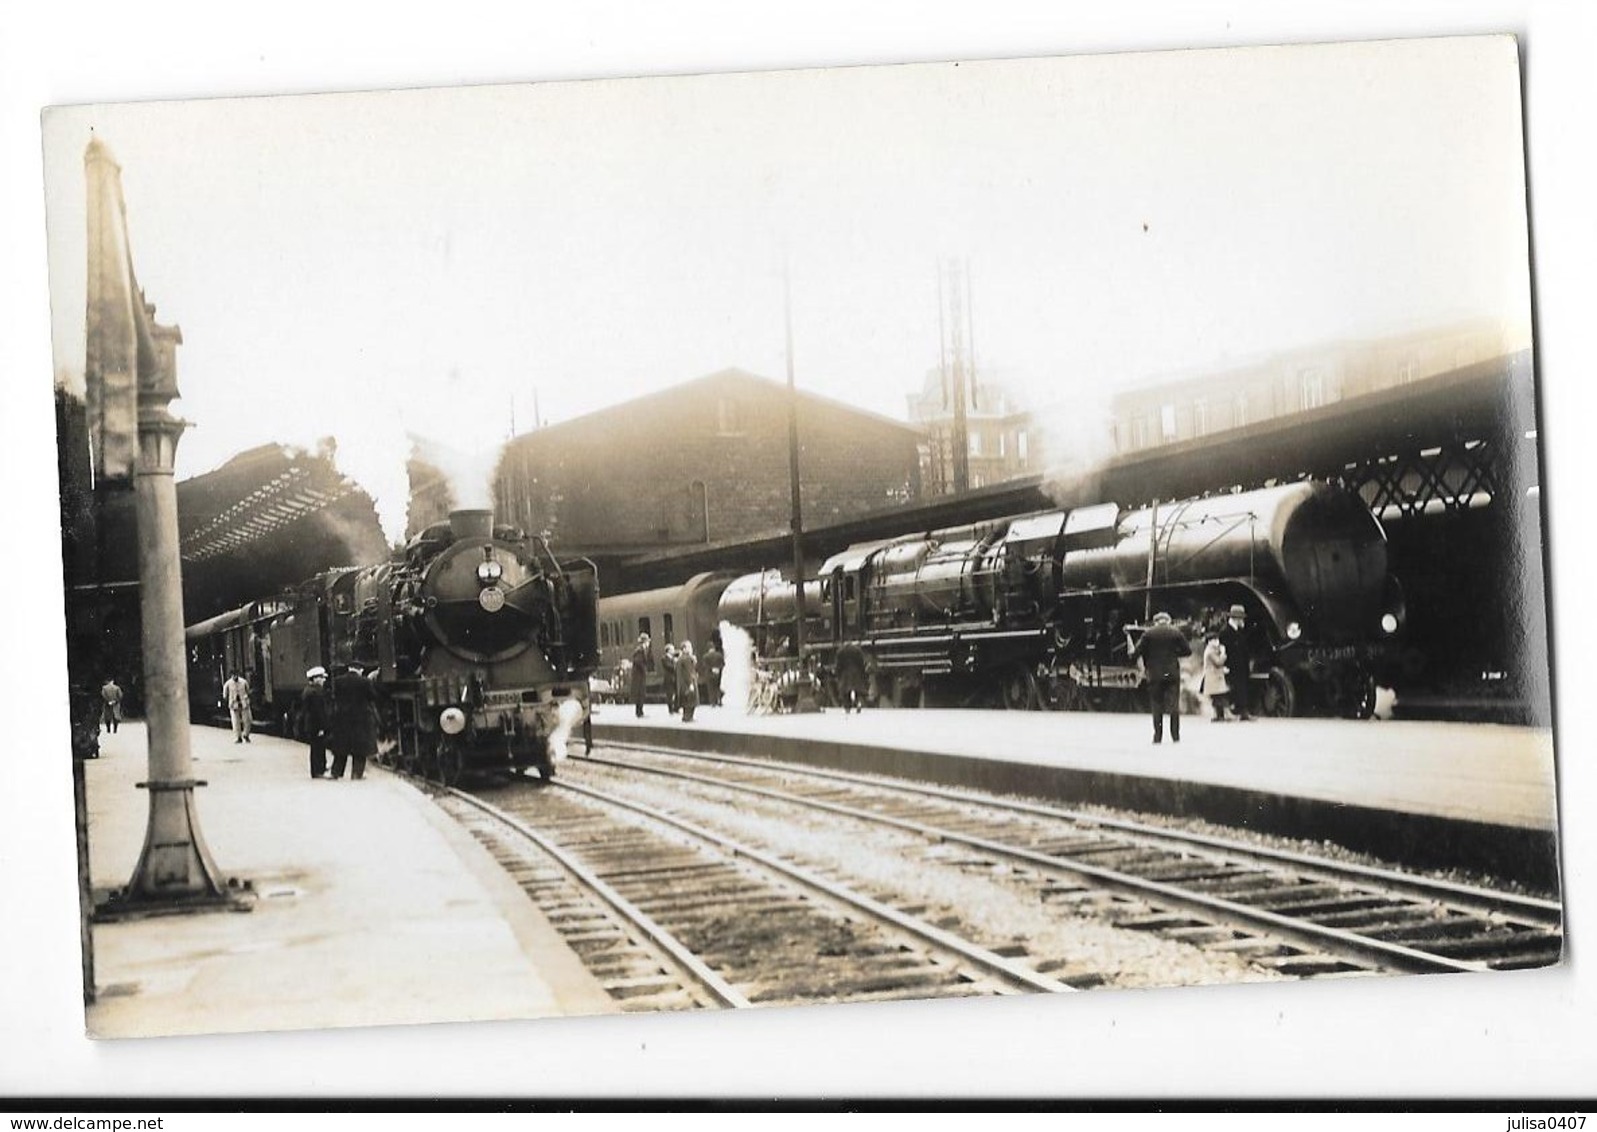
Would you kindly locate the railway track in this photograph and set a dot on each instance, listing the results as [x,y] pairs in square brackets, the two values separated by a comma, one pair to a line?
[669,915]
[1297,914]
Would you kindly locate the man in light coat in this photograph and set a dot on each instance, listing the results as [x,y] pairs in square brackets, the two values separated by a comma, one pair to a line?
[236,695]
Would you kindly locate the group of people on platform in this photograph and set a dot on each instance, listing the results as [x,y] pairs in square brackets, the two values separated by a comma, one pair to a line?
[1225,678]
[339,713]
[687,678]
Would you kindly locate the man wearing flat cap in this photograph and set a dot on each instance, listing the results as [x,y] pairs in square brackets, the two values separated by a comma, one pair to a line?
[1238,661]
[1161,648]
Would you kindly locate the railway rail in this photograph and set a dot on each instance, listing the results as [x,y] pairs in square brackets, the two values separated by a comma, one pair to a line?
[669,915]
[1303,915]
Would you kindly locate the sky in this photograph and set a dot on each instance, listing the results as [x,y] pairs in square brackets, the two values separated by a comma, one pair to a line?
[452,262]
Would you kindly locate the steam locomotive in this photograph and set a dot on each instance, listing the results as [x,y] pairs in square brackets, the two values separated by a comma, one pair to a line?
[479,641]
[1043,610]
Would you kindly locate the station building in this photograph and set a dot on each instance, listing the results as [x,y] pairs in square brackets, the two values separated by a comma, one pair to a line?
[698,464]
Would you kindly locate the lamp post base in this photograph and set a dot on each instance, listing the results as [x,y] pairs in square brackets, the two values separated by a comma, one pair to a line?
[175,874]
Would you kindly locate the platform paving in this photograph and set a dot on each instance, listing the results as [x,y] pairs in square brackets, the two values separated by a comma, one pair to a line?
[1466,795]
[370,907]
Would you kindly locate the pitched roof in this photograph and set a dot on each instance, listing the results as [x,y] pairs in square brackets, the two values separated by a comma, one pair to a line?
[732,375]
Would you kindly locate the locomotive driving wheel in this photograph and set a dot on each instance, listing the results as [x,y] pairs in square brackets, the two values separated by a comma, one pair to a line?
[1018,688]
[1280,696]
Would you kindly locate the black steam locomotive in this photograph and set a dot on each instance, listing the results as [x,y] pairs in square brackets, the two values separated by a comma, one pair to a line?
[1043,610]
[480,643]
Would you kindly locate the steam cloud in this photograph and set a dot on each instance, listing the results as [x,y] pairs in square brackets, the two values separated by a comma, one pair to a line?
[737,678]
[570,714]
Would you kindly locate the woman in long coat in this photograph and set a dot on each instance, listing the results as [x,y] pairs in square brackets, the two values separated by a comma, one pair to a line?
[1214,684]
[354,733]
[687,678]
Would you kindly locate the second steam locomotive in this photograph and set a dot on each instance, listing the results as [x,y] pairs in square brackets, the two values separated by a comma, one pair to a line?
[480,643]
[1042,610]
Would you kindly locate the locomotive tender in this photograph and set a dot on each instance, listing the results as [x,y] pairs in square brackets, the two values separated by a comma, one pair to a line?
[1042,610]
[480,642]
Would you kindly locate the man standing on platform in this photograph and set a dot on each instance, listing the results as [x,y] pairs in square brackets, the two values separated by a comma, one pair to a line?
[314,719]
[642,661]
[111,704]
[714,665]
[354,722]
[1239,661]
[236,695]
[1161,648]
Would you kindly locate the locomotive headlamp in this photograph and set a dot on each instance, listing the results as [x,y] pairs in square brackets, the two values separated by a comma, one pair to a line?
[489,572]
[451,721]
[1294,631]
[1389,622]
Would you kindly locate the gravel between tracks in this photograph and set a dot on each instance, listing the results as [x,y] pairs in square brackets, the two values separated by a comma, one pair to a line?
[994,904]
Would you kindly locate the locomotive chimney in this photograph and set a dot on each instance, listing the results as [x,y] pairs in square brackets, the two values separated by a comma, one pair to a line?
[471,523]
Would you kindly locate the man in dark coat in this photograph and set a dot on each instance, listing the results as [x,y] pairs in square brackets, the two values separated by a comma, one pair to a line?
[850,665]
[1160,650]
[314,719]
[1238,661]
[714,665]
[642,661]
[354,731]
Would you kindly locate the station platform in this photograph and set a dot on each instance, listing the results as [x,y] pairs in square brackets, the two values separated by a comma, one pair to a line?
[1471,796]
[366,906]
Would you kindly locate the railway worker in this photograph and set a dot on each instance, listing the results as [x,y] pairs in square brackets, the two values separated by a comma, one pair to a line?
[236,695]
[851,676]
[642,662]
[714,666]
[110,704]
[1239,661]
[687,681]
[314,718]
[1161,648]
[354,730]
[1212,683]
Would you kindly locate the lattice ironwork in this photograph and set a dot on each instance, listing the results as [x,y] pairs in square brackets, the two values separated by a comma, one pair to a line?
[285,499]
[1450,478]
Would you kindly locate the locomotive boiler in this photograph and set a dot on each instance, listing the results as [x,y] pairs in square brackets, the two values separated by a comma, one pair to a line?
[479,641]
[1044,609]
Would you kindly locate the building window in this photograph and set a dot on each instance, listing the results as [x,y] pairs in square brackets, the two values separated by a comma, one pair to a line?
[1167,422]
[1139,433]
[1311,385]
[975,443]
[666,620]
[1020,445]
[1200,417]
[1003,447]
[1242,409]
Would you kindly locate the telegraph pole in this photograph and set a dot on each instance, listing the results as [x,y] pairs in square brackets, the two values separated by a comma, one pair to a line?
[793,468]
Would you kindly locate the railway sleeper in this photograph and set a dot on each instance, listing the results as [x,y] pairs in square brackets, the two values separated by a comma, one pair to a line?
[1490,947]
[1310,964]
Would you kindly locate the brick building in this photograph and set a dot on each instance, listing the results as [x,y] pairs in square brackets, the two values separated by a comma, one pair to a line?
[703,462]
[999,437]
[1172,409]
